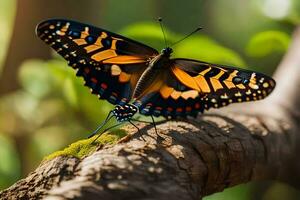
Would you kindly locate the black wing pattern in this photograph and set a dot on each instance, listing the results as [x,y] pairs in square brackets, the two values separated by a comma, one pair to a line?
[110,63]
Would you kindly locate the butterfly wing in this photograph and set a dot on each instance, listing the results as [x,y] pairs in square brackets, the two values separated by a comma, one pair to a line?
[190,86]
[109,63]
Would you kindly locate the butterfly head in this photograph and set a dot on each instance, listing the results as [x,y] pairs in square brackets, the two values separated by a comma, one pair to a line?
[167,51]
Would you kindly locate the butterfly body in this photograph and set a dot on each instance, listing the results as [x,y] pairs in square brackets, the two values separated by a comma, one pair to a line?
[125,72]
[155,67]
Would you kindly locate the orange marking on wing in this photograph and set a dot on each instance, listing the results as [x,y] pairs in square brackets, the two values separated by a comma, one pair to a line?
[124,77]
[253,86]
[175,94]
[188,108]
[103,35]
[80,41]
[154,87]
[84,33]
[65,28]
[91,48]
[104,55]
[98,42]
[253,78]
[115,70]
[205,71]
[61,33]
[94,80]
[202,83]
[240,86]
[228,82]
[114,44]
[190,94]
[166,91]
[184,78]
[216,84]
[215,81]
[179,110]
[97,45]
[125,60]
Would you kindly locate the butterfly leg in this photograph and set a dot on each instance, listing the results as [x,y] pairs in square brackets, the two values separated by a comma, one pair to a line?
[139,131]
[106,130]
[153,122]
[109,116]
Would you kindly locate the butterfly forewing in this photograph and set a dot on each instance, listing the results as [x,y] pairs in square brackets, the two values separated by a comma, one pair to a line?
[109,63]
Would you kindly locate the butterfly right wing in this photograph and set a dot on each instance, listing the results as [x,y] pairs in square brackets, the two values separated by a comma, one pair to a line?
[109,63]
[189,86]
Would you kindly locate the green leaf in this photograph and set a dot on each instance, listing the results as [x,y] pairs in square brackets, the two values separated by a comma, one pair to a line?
[268,42]
[206,49]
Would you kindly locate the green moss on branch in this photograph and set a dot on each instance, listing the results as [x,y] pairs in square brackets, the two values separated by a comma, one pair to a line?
[84,147]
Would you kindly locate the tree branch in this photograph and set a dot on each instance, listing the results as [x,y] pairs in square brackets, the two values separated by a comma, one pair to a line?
[189,159]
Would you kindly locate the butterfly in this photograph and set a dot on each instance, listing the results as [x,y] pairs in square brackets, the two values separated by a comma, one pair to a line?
[138,78]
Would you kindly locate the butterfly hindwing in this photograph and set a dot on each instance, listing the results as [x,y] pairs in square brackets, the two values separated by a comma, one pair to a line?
[191,86]
[168,97]
[109,63]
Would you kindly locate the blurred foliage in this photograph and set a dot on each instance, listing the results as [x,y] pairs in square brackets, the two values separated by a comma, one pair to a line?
[54,109]
[278,191]
[268,42]
[204,48]
[7,12]
[234,193]
[10,166]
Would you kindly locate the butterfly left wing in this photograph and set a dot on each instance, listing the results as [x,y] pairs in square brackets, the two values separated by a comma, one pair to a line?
[109,63]
[190,86]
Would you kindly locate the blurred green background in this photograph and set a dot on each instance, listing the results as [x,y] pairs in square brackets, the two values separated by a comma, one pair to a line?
[44,107]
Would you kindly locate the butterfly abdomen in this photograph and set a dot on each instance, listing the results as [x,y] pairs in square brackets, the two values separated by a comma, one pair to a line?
[145,81]
[152,76]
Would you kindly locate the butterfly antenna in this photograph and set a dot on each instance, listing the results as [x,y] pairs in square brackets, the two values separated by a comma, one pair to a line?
[163,30]
[195,31]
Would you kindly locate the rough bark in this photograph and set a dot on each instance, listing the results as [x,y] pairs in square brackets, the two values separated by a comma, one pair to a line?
[189,159]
